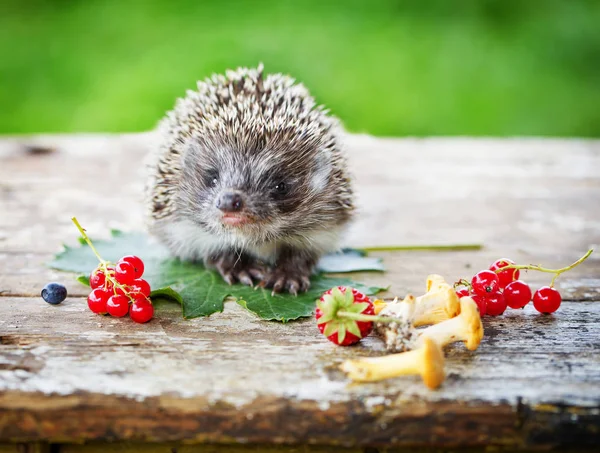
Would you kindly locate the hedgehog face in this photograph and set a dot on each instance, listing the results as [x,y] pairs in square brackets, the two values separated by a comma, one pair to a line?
[255,195]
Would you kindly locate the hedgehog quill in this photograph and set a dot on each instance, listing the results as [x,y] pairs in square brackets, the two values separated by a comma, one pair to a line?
[249,176]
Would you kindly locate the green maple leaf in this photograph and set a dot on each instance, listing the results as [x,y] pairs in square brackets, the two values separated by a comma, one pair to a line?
[200,291]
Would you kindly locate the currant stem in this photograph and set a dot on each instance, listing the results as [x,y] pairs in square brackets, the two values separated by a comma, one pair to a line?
[462,282]
[556,272]
[87,239]
[103,263]
[361,317]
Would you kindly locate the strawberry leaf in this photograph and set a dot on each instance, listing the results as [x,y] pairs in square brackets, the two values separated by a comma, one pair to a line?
[200,291]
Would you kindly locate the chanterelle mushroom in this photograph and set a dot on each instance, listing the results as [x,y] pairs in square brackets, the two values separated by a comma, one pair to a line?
[426,361]
[465,327]
[438,304]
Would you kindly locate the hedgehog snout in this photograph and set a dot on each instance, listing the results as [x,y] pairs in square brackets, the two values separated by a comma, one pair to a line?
[230,201]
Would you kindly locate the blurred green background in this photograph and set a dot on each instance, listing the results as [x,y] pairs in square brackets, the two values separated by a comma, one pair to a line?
[397,68]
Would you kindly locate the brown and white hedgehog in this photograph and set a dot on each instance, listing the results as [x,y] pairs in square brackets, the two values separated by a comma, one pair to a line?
[249,175]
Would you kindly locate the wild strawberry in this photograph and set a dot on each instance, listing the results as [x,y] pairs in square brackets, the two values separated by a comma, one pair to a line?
[344,315]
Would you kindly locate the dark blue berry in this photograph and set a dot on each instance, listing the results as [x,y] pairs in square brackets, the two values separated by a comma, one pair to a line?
[54,293]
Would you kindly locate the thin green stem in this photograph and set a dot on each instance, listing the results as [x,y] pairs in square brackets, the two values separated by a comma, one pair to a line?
[462,282]
[87,239]
[361,317]
[408,248]
[556,272]
[108,275]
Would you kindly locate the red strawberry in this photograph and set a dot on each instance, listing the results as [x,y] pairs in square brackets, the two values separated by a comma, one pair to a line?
[333,322]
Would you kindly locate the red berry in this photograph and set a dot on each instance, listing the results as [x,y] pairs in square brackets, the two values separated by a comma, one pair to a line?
[97,278]
[136,262]
[546,300]
[495,304]
[340,303]
[141,311]
[485,282]
[140,285]
[124,273]
[117,306]
[507,276]
[480,301]
[462,292]
[140,297]
[97,300]
[517,294]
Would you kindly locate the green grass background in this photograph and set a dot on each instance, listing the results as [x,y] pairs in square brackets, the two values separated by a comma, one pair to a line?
[476,67]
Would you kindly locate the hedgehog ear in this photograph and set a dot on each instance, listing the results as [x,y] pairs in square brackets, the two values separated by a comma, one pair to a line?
[320,177]
[191,152]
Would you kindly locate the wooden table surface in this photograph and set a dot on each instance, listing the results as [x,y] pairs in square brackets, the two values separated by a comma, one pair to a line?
[69,376]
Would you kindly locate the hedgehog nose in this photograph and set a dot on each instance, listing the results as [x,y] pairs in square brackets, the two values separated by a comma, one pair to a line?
[230,202]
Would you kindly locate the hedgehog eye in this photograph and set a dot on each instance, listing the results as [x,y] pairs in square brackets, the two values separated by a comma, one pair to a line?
[211,178]
[280,189]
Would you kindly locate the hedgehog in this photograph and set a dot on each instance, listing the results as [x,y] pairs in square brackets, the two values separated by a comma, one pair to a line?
[249,175]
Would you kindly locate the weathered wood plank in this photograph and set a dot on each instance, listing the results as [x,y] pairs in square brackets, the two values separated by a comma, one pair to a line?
[67,375]
[205,380]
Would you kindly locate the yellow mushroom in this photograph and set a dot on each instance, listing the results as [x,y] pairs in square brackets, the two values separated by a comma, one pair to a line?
[465,327]
[380,304]
[438,304]
[435,281]
[398,309]
[426,361]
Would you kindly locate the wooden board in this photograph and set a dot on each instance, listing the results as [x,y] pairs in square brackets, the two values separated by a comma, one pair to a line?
[69,376]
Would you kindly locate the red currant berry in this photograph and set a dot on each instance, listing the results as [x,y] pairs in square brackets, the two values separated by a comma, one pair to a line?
[140,285]
[480,301]
[507,276]
[546,300]
[141,311]
[136,262]
[97,300]
[118,306]
[97,278]
[517,294]
[495,304]
[462,292]
[124,273]
[485,282]
[139,297]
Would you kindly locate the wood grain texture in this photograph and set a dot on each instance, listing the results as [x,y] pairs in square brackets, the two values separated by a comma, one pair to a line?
[67,375]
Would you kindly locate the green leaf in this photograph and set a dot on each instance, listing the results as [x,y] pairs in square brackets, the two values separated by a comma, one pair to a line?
[349,260]
[201,292]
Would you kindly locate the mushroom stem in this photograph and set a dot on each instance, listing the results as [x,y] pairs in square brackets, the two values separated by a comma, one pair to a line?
[465,327]
[426,361]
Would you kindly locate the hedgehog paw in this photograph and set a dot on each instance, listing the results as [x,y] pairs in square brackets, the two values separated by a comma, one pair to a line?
[237,267]
[281,279]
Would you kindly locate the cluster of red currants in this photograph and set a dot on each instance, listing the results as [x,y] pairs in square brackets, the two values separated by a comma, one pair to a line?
[120,289]
[499,287]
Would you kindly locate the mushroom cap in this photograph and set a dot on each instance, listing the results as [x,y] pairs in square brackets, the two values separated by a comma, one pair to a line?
[472,322]
[435,281]
[432,367]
